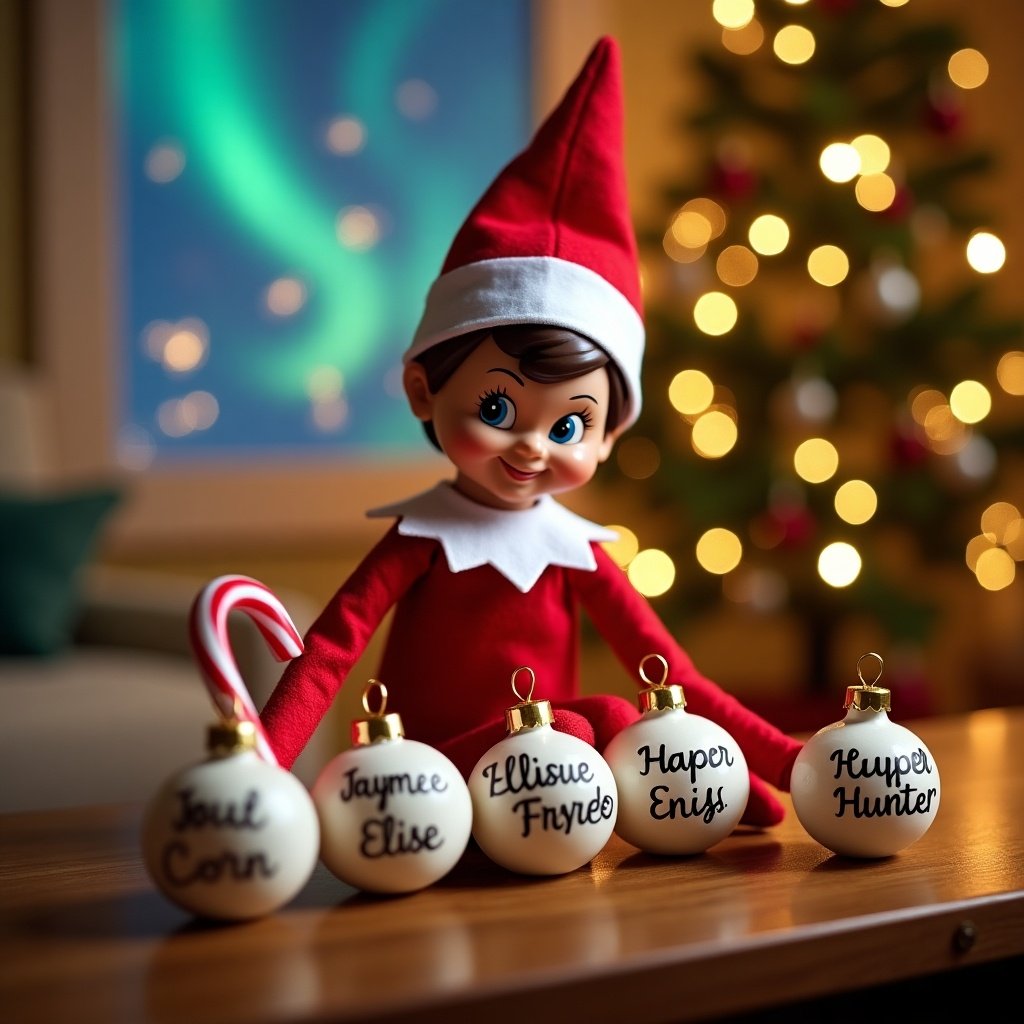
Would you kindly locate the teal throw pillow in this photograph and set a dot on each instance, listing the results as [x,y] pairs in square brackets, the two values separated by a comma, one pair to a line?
[45,542]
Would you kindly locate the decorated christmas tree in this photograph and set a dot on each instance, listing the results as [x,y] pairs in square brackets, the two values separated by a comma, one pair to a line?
[829,397]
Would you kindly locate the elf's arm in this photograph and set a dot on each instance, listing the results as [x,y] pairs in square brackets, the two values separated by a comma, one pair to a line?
[338,638]
[633,630]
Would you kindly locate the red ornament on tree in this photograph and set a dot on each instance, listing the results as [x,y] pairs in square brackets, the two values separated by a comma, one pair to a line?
[906,450]
[944,115]
[732,179]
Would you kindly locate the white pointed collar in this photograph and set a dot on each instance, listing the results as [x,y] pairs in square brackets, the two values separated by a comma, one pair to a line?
[519,543]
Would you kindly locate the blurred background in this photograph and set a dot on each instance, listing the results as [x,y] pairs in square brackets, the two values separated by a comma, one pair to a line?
[219,219]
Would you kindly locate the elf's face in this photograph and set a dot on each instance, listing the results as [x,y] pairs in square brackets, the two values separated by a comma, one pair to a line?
[512,439]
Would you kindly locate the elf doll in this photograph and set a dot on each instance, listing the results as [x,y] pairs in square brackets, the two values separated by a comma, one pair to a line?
[524,370]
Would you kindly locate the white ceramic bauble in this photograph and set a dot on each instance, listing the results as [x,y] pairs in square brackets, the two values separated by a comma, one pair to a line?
[682,779]
[395,815]
[865,786]
[544,802]
[231,838]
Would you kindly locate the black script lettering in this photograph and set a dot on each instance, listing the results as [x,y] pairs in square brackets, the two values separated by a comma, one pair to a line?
[382,787]
[694,806]
[905,801]
[202,813]
[180,868]
[385,837]
[688,761]
[562,817]
[892,769]
[524,773]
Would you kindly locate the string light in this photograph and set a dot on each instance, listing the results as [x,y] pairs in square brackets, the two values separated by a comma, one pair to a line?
[285,296]
[816,460]
[714,434]
[736,266]
[768,234]
[715,313]
[970,401]
[732,14]
[744,41]
[995,569]
[839,564]
[828,265]
[999,520]
[875,192]
[623,550]
[968,68]
[985,252]
[839,162]
[651,572]
[794,44]
[719,551]
[690,392]
[874,153]
[856,502]
[1010,373]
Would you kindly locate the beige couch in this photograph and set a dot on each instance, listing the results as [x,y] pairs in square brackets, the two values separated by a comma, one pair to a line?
[108,717]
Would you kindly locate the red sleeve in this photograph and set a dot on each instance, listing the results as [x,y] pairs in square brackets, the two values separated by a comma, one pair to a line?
[633,630]
[338,638]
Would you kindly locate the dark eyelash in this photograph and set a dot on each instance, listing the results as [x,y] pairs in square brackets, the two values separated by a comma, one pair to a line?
[501,392]
[587,416]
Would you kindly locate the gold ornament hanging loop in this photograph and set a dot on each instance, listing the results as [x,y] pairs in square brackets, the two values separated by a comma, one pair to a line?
[664,669]
[375,684]
[533,682]
[878,674]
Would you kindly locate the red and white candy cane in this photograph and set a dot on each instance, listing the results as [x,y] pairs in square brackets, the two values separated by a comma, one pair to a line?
[208,631]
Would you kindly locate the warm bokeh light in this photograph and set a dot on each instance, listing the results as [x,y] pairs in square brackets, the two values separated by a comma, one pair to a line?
[732,13]
[691,229]
[975,546]
[793,44]
[719,551]
[995,569]
[346,135]
[768,234]
[324,383]
[678,252]
[970,401]
[944,432]
[744,41]
[691,392]
[714,434]
[968,68]
[922,401]
[183,351]
[894,3]
[623,550]
[839,564]
[816,460]
[285,296]
[875,192]
[856,502]
[736,266]
[1000,522]
[839,162]
[1010,373]
[828,265]
[638,457]
[651,572]
[330,415]
[711,211]
[985,252]
[874,153]
[358,228]
[715,313]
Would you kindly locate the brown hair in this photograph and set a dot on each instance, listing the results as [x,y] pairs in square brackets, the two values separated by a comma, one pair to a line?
[546,355]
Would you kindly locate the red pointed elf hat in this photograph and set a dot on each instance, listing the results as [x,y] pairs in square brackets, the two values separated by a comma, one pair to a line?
[551,241]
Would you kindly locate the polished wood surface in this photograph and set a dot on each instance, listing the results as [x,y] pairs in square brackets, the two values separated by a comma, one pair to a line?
[761,919]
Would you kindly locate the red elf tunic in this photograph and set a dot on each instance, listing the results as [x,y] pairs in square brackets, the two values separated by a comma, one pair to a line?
[477,593]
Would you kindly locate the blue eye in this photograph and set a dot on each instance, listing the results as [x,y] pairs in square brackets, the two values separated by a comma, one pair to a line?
[498,410]
[568,430]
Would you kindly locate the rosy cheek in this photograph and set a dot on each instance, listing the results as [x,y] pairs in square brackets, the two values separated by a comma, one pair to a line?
[466,442]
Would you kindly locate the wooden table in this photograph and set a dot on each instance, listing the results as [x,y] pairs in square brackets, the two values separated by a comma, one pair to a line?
[762,919]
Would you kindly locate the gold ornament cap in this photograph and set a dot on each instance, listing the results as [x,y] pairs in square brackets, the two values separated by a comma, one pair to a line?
[230,736]
[659,695]
[868,696]
[379,725]
[528,713]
